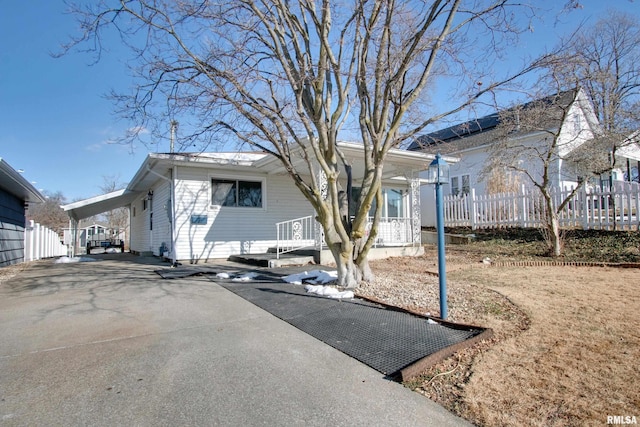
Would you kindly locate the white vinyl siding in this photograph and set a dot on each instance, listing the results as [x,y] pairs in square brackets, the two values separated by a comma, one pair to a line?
[160,208]
[139,239]
[231,230]
[151,227]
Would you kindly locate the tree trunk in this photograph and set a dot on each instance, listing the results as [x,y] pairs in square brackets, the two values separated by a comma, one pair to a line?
[556,240]
[553,226]
[350,272]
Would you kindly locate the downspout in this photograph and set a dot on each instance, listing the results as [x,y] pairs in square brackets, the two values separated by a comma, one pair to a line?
[172,184]
[71,250]
[174,173]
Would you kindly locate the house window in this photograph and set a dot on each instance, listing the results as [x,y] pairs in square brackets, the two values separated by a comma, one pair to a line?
[394,202]
[577,123]
[393,199]
[236,193]
[455,186]
[460,185]
[466,187]
[145,204]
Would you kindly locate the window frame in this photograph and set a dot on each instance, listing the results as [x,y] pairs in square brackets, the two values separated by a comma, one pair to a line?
[461,187]
[237,180]
[403,199]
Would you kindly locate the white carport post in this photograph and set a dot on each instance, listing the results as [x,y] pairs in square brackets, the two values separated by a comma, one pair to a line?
[73,229]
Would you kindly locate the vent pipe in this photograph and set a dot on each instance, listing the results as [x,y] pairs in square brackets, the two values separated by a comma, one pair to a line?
[174,127]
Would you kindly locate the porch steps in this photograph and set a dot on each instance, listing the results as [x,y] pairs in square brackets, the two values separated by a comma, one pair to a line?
[269,259]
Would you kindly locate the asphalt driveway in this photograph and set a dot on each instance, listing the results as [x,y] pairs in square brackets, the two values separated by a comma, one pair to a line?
[111,343]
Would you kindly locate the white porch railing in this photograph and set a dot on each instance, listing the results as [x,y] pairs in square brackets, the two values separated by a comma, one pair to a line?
[294,234]
[393,232]
[606,209]
[306,232]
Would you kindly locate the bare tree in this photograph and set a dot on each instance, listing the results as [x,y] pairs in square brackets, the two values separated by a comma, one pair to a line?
[605,60]
[49,213]
[289,77]
[548,142]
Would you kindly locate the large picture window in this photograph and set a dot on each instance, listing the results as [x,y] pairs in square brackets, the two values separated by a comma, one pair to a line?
[236,193]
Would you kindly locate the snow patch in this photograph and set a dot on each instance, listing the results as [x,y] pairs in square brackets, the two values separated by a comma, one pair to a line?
[328,291]
[245,277]
[315,277]
[223,276]
[317,280]
[68,260]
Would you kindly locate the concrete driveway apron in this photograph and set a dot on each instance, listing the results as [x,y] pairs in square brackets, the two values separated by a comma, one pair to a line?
[110,343]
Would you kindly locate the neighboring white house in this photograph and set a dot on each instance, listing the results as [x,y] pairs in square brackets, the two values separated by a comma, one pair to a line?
[15,195]
[93,234]
[471,142]
[196,207]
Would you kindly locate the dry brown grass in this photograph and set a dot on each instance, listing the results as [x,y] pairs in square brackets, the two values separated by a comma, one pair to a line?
[8,272]
[566,345]
[577,362]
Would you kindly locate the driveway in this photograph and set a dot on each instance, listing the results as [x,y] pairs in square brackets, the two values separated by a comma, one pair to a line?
[110,343]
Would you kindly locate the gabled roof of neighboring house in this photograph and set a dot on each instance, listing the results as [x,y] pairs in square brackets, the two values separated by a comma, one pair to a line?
[158,165]
[14,183]
[481,131]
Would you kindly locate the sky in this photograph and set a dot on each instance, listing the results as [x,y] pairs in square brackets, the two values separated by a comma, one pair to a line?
[56,124]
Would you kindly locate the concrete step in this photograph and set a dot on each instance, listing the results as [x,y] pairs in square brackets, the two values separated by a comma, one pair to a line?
[297,252]
[270,260]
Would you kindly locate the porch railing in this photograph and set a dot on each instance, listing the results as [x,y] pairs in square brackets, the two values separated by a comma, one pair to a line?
[306,232]
[393,232]
[294,234]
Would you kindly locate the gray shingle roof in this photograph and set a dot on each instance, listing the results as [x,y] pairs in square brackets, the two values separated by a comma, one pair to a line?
[480,131]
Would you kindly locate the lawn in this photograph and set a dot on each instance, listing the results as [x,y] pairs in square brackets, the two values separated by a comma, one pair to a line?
[566,345]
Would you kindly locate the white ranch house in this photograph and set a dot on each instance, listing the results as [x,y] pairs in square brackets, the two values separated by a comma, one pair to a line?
[471,142]
[197,207]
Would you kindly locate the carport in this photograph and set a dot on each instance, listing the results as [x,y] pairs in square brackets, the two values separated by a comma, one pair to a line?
[137,188]
[94,206]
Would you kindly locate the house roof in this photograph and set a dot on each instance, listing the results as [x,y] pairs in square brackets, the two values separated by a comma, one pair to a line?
[481,131]
[14,183]
[99,204]
[157,166]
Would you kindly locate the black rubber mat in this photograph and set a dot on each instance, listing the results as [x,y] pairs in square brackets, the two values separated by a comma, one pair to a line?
[195,270]
[385,339]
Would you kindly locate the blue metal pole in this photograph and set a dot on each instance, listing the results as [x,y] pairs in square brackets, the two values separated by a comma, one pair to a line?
[442,274]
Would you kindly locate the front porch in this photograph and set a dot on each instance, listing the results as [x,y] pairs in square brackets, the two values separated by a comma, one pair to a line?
[322,257]
[300,241]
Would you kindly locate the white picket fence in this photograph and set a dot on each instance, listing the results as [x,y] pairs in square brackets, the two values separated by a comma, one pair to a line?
[617,208]
[41,242]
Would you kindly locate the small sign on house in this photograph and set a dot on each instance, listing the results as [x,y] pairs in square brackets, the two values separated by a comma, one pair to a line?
[199,219]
